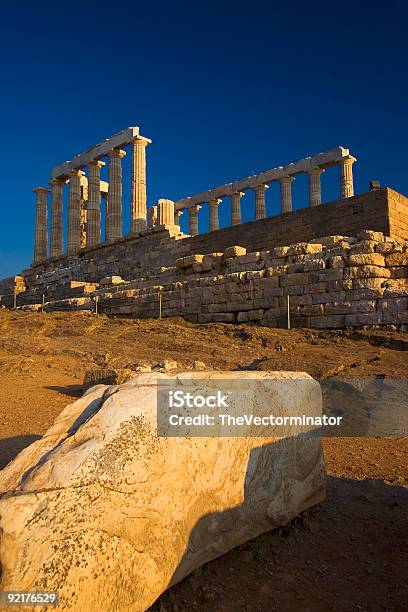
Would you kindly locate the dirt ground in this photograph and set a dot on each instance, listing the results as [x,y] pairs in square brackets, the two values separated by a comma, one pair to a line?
[349,553]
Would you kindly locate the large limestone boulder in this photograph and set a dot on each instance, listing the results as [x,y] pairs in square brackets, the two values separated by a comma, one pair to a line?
[110,515]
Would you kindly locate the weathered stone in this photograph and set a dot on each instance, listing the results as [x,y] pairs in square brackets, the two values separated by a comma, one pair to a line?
[107,376]
[366,272]
[100,485]
[372,259]
[397,259]
[234,251]
[111,280]
[370,235]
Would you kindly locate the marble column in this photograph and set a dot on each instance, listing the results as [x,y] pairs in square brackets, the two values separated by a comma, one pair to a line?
[315,190]
[152,217]
[165,212]
[346,176]
[93,221]
[214,221]
[40,236]
[177,215]
[236,207]
[114,199]
[286,193]
[193,211]
[139,198]
[260,205]
[56,226]
[74,212]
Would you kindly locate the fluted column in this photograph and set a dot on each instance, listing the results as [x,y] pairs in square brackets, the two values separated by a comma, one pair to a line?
[93,221]
[236,207]
[165,212]
[152,217]
[56,228]
[177,215]
[74,212]
[315,191]
[40,235]
[139,198]
[260,205]
[286,193]
[193,211]
[114,199]
[346,176]
[214,221]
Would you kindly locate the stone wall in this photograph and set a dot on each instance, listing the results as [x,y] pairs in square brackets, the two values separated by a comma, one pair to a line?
[335,283]
[381,210]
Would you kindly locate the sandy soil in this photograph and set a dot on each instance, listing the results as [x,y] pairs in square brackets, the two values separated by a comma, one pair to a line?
[350,553]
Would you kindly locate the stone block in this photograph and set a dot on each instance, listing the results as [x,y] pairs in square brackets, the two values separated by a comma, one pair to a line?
[185,262]
[370,235]
[397,259]
[111,280]
[300,278]
[327,322]
[361,319]
[364,259]
[311,265]
[366,272]
[325,298]
[110,489]
[336,262]
[235,251]
[366,246]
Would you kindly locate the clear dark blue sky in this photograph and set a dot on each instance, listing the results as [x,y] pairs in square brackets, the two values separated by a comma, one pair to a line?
[223,89]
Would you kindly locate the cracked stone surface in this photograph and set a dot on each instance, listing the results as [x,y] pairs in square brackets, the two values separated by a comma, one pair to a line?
[102,510]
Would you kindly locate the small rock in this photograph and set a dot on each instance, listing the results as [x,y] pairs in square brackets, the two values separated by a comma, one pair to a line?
[169,364]
[199,365]
[106,376]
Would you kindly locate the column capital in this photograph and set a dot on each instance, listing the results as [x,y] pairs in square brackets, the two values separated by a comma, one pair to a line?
[195,207]
[116,153]
[316,171]
[77,173]
[97,163]
[141,140]
[287,179]
[57,181]
[215,202]
[238,193]
[261,187]
[40,189]
[348,158]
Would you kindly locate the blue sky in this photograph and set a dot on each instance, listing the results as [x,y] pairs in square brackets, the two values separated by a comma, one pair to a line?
[223,89]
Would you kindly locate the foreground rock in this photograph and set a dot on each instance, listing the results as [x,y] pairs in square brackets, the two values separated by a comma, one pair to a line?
[110,515]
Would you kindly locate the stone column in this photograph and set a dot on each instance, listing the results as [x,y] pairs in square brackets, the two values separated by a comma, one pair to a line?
[346,176]
[286,193]
[165,212]
[56,226]
[152,217]
[193,210]
[236,207]
[214,221]
[315,191]
[40,235]
[114,200]
[139,199]
[177,215]
[93,221]
[74,212]
[260,205]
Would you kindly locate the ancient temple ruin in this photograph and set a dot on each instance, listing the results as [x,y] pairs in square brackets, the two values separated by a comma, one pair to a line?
[341,263]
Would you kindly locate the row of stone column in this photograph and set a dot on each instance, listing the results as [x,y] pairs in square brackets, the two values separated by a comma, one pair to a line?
[113,224]
[315,196]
